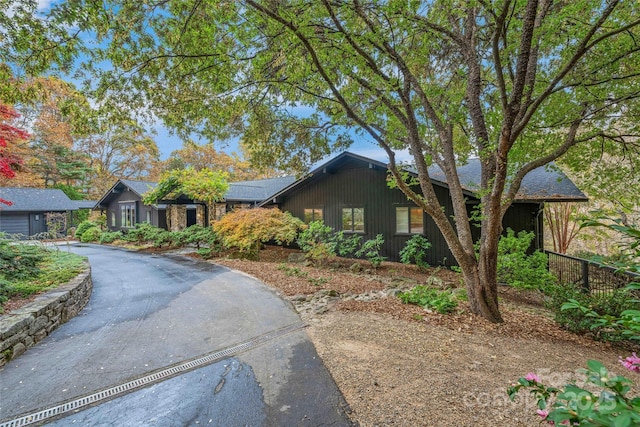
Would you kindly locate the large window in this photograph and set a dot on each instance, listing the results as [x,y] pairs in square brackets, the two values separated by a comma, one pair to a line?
[409,220]
[313,214]
[128,215]
[353,220]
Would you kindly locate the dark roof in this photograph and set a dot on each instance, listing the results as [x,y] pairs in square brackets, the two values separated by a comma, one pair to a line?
[84,204]
[257,190]
[243,191]
[546,183]
[542,184]
[139,187]
[37,200]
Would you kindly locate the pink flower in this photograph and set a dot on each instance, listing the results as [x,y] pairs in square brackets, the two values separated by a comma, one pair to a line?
[543,413]
[532,377]
[632,362]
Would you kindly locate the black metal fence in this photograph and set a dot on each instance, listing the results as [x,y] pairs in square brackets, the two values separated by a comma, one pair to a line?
[594,278]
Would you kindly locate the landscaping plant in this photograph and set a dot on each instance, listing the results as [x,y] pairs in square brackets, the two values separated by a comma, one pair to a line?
[415,251]
[246,230]
[519,269]
[370,249]
[425,296]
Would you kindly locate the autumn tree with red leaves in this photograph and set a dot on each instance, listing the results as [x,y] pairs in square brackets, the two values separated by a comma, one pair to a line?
[9,136]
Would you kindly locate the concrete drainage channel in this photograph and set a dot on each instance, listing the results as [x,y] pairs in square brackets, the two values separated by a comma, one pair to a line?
[163,374]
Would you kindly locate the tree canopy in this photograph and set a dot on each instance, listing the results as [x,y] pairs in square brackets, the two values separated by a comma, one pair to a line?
[202,185]
[518,83]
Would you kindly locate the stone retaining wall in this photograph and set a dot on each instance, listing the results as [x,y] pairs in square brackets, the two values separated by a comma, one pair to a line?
[29,324]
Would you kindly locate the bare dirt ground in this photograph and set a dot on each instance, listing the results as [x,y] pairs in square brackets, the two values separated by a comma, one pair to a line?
[399,365]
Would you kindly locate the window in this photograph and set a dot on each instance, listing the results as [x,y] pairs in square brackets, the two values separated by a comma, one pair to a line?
[128,215]
[149,217]
[313,214]
[113,219]
[353,220]
[409,220]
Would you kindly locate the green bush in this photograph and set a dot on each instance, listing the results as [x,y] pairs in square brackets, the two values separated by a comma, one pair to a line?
[200,236]
[520,270]
[346,245]
[415,251]
[91,235]
[84,226]
[370,249]
[316,241]
[609,305]
[141,233]
[110,236]
[19,261]
[441,301]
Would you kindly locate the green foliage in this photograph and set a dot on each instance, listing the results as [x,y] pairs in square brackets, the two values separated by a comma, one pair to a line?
[370,249]
[90,235]
[317,242]
[84,226]
[246,230]
[415,251]
[441,301]
[26,269]
[607,317]
[520,270]
[603,401]
[200,236]
[110,236]
[19,261]
[292,271]
[143,232]
[203,185]
[346,244]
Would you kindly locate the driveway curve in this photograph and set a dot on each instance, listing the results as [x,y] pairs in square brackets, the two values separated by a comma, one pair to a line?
[210,345]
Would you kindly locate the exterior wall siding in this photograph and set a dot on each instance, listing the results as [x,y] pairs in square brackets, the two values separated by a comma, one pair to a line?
[357,184]
[14,223]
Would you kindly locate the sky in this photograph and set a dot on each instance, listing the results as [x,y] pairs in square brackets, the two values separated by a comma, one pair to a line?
[167,142]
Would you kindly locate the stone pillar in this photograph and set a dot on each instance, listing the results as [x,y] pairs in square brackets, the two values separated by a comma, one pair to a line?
[200,215]
[177,217]
[217,211]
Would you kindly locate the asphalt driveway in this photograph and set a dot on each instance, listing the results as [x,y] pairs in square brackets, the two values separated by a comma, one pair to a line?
[169,341]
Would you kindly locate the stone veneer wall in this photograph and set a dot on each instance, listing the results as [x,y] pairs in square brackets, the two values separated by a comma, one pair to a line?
[31,323]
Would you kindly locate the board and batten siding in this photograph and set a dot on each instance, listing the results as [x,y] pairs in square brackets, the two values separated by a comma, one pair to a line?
[14,223]
[354,183]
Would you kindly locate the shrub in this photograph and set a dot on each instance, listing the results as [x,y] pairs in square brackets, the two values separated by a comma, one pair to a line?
[246,230]
[520,270]
[91,235]
[346,244]
[415,251]
[370,249]
[441,301]
[316,241]
[143,232]
[200,236]
[110,236]
[19,261]
[586,310]
[84,226]
[604,402]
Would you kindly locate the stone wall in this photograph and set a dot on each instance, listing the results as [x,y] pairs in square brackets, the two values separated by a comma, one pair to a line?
[31,323]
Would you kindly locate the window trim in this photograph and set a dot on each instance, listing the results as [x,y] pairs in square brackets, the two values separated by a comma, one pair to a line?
[353,230]
[410,231]
[314,215]
[128,214]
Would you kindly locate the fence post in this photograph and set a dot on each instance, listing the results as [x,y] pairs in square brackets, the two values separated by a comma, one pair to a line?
[585,276]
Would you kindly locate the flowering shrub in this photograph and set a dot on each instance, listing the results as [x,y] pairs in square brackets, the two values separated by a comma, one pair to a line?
[577,406]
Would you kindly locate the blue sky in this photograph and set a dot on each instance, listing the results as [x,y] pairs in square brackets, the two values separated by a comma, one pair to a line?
[167,142]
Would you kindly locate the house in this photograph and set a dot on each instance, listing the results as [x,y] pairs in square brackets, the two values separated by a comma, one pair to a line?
[26,215]
[124,208]
[350,193]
